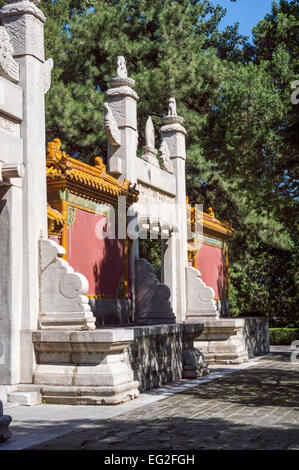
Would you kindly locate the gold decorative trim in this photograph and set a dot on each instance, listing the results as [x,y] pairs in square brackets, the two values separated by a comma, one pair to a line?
[64,172]
[55,221]
[211,225]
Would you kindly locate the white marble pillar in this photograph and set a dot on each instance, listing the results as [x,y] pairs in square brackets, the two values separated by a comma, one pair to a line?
[11,173]
[24,22]
[175,263]
[122,136]
[122,101]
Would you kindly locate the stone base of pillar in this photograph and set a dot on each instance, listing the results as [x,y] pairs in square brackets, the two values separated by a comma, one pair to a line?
[223,342]
[194,364]
[5,421]
[67,321]
[150,156]
[69,395]
[84,367]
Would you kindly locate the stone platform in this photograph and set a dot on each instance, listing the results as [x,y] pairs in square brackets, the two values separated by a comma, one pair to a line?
[248,406]
[84,367]
[161,354]
[222,341]
[234,340]
[111,366]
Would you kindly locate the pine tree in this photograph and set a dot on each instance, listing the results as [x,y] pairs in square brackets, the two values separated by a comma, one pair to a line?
[242,141]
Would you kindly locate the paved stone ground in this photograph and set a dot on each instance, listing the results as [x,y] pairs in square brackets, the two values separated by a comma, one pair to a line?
[255,408]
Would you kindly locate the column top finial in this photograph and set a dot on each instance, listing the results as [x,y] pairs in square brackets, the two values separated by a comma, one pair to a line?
[121,78]
[172,117]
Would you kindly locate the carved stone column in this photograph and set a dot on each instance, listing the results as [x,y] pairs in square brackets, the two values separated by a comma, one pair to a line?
[11,248]
[173,136]
[194,364]
[24,22]
[122,101]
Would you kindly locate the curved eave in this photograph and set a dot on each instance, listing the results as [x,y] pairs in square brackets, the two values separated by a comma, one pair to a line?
[96,192]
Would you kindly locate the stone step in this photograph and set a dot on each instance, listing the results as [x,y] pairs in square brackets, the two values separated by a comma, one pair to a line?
[25,398]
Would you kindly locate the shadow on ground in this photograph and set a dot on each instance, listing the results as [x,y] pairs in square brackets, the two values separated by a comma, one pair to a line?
[255,408]
[173,433]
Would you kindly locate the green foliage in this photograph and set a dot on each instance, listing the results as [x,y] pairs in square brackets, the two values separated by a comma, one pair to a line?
[283,335]
[151,250]
[242,141]
[235,98]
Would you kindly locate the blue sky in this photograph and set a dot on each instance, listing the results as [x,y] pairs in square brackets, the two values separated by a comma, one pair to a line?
[246,12]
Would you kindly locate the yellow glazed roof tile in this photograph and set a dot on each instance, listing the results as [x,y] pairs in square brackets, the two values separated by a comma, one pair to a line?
[61,166]
[209,221]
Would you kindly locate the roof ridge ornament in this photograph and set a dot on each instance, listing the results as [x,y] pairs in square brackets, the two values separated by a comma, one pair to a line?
[100,166]
[55,156]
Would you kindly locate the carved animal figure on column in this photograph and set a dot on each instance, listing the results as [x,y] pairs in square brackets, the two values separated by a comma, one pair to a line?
[121,67]
[172,107]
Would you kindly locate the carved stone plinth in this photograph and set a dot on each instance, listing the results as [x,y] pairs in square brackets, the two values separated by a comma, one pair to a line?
[152,298]
[84,367]
[194,364]
[5,421]
[200,298]
[223,342]
[63,303]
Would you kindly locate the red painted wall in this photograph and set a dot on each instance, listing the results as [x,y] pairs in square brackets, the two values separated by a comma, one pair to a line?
[100,260]
[211,264]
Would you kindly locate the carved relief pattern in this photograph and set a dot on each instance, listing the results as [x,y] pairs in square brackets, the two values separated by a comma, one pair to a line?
[111,127]
[155,205]
[167,164]
[31,42]
[9,126]
[48,65]
[9,68]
